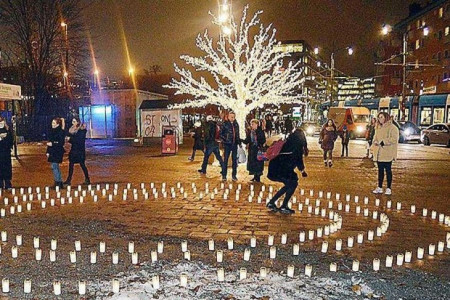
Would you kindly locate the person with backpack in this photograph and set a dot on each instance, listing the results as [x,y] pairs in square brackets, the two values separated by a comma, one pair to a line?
[255,140]
[211,144]
[282,166]
[198,140]
[345,137]
[328,136]
[229,134]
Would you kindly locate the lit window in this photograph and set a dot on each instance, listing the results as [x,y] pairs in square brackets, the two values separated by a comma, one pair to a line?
[441,12]
[447,30]
[417,44]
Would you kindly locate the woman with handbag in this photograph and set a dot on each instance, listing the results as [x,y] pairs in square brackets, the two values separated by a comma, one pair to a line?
[328,136]
[255,140]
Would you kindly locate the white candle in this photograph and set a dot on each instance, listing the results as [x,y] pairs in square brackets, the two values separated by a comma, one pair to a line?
[38,254]
[355,265]
[93,257]
[57,287]
[130,247]
[220,274]
[370,234]
[53,244]
[420,252]
[325,247]
[350,241]
[263,272]
[184,246]
[102,247]
[311,193]
[135,258]
[333,267]
[230,243]
[5,285]
[358,209]
[375,215]
[219,256]
[441,218]
[82,287]
[273,252]
[154,256]
[326,230]
[376,264]
[253,242]
[14,251]
[295,249]
[211,245]
[413,209]
[73,257]
[78,246]
[379,231]
[311,234]
[408,256]
[389,260]
[302,236]
[330,204]
[431,249]
[270,240]
[115,286]
[424,212]
[319,232]
[400,259]
[338,245]
[183,280]
[360,238]
[19,240]
[433,215]
[290,271]
[242,273]
[440,246]
[377,202]
[247,253]
[187,255]
[160,247]
[27,286]
[52,255]
[308,270]
[284,238]
[155,282]
[366,212]
[347,207]
[115,258]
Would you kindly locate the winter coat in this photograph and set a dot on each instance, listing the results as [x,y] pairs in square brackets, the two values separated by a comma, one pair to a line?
[229,134]
[328,137]
[210,134]
[288,125]
[269,125]
[387,134]
[370,132]
[254,166]
[345,136]
[198,139]
[77,153]
[282,167]
[56,150]
[6,143]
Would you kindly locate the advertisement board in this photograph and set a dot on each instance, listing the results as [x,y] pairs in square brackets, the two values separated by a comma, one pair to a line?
[152,122]
[10,92]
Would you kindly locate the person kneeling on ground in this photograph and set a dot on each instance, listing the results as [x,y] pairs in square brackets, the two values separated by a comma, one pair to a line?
[281,169]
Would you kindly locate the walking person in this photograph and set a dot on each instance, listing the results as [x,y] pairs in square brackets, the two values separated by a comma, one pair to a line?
[370,132]
[328,136]
[198,140]
[384,148]
[345,137]
[211,144]
[269,126]
[255,139]
[281,169]
[229,135]
[55,149]
[6,144]
[288,127]
[77,154]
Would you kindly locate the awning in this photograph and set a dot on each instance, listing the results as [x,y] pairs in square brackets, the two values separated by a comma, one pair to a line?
[154,104]
[433,100]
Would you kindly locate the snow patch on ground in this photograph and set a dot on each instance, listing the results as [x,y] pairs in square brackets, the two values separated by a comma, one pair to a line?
[203,284]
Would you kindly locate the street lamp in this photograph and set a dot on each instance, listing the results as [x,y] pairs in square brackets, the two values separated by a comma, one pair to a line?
[130,71]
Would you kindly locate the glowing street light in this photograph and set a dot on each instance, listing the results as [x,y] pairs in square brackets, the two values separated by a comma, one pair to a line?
[385,29]
[131,71]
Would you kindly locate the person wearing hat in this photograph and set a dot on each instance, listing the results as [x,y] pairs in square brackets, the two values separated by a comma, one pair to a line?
[345,136]
[198,139]
[211,144]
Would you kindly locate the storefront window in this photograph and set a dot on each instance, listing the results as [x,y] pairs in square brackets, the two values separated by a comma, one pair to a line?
[425,116]
[438,115]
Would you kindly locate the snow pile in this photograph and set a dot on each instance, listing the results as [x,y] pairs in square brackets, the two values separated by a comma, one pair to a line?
[203,284]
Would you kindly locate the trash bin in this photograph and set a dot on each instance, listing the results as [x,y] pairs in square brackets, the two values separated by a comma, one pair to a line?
[169,145]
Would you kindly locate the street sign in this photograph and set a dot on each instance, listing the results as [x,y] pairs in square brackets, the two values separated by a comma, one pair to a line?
[10,92]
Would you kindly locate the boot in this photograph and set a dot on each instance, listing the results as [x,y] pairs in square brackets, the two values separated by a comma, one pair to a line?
[67,182]
[60,184]
[325,163]
[87,181]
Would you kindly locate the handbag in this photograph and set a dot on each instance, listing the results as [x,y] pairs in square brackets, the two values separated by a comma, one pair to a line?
[261,156]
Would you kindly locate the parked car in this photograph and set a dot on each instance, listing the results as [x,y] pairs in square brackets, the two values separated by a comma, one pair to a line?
[311,128]
[436,134]
[409,132]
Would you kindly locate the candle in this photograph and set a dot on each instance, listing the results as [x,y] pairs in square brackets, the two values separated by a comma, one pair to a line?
[57,287]
[347,207]
[82,287]
[263,272]
[115,286]
[284,238]
[130,247]
[52,255]
[330,204]
[377,202]
[295,249]
[19,240]
[184,246]
[220,274]
[155,282]
[93,257]
[326,230]
[441,218]
[379,231]
[230,243]
[102,247]
[325,247]
[73,257]
[420,252]
[333,267]
[350,241]
[242,273]
[311,234]
[360,238]
[27,286]
[358,209]
[347,197]
[431,249]
[273,252]
[28,206]
[14,251]
[311,193]
[317,211]
[302,236]
[270,240]
[389,260]
[433,214]
[5,285]
[211,245]
[375,215]
[413,209]
[370,234]
[160,247]
[247,253]
[43,204]
[400,259]
[408,256]
[308,270]
[355,265]
[310,209]
[319,232]
[115,258]
[376,264]
[183,280]
[424,212]
[338,245]
[253,241]
[38,254]
[440,246]
[187,255]
[389,204]
[134,258]
[219,256]
[290,271]
[78,246]
[366,212]
[317,202]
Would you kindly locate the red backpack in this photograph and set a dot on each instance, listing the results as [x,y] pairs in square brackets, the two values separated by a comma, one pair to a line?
[275,149]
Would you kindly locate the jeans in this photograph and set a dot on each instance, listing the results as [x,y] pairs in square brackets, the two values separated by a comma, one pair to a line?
[344,149]
[381,167]
[230,148]
[83,167]
[330,154]
[211,150]
[56,172]
[288,189]
[193,153]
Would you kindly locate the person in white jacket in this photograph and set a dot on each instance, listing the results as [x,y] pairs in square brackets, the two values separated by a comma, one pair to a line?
[384,149]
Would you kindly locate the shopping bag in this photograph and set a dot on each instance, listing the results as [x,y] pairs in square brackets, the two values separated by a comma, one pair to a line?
[242,156]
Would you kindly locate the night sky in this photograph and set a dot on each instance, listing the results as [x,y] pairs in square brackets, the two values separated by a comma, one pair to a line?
[159,31]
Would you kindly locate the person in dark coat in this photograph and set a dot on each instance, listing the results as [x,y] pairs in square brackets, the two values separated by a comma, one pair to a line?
[6,143]
[328,136]
[269,126]
[77,154]
[229,135]
[211,144]
[281,169]
[55,149]
[345,137]
[288,127]
[198,140]
[370,133]
[255,140]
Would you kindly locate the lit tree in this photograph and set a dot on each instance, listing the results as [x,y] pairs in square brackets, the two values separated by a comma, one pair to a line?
[246,74]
